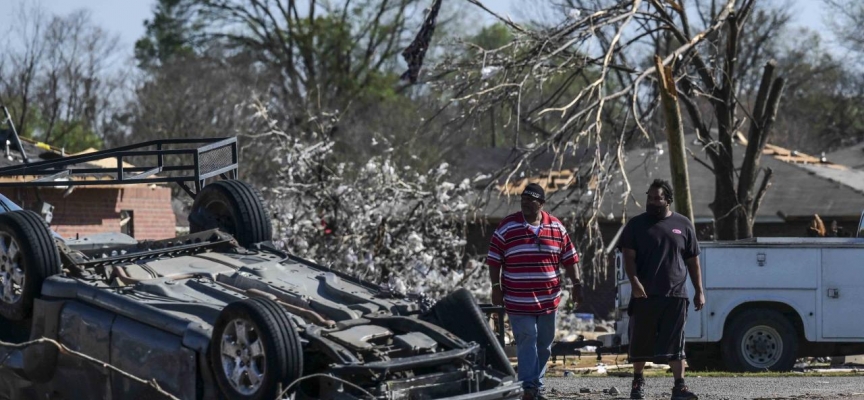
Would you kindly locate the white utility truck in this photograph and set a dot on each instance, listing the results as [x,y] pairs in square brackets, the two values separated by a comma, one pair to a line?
[768,302]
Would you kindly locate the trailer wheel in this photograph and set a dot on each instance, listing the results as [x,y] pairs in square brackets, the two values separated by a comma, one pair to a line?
[234,207]
[458,313]
[28,255]
[760,340]
[255,350]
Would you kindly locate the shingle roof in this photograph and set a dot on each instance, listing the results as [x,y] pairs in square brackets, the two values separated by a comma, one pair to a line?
[852,156]
[796,190]
[472,161]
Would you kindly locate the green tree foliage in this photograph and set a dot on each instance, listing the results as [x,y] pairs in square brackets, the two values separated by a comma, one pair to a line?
[169,34]
[326,55]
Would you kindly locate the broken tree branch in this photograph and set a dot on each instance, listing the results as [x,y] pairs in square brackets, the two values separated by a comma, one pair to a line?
[763,188]
[754,137]
[675,138]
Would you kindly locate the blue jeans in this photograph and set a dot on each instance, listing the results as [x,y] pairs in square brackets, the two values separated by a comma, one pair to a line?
[534,334]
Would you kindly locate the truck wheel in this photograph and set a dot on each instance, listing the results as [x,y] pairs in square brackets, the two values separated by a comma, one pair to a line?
[28,255]
[759,340]
[255,350]
[458,313]
[234,207]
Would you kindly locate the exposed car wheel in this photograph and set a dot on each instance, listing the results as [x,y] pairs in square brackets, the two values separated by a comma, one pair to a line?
[28,255]
[458,313]
[234,207]
[255,347]
[760,340]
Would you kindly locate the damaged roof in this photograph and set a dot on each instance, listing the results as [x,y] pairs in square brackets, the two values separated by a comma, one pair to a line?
[36,151]
[851,156]
[802,185]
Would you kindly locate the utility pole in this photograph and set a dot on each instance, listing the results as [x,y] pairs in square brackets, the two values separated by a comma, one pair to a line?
[675,138]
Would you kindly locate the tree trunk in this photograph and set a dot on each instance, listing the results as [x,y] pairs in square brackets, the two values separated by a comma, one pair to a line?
[725,206]
[675,139]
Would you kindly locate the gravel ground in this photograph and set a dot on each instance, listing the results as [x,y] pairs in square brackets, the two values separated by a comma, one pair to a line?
[821,388]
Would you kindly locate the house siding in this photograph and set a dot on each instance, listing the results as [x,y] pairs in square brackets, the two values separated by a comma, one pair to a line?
[95,210]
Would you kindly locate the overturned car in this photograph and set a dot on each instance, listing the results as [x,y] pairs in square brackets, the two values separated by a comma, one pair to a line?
[219,313]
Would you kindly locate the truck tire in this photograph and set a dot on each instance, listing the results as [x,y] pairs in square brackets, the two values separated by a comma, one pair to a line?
[234,207]
[760,340]
[28,255]
[255,350]
[458,313]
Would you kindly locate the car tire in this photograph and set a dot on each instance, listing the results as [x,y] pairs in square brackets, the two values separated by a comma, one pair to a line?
[270,345]
[760,340]
[459,313]
[234,207]
[28,255]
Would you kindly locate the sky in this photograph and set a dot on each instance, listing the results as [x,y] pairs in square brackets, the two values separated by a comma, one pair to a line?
[126,17]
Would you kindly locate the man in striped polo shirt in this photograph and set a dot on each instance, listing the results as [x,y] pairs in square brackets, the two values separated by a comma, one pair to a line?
[528,247]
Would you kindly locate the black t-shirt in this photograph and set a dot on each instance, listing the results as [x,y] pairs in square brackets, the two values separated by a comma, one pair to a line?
[661,247]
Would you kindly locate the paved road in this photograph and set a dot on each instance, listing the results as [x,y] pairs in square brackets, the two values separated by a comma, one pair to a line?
[820,388]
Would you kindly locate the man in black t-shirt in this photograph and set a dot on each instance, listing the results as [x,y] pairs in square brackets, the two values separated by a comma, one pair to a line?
[660,250]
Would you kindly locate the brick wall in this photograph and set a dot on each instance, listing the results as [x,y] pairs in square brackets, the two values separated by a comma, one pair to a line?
[153,215]
[93,210]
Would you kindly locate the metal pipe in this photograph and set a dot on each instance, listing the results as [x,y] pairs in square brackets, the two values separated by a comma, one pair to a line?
[306,313]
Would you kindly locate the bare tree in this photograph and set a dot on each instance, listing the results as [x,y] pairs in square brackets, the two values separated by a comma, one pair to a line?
[77,84]
[61,77]
[567,88]
[19,68]
[586,83]
[716,79]
[200,96]
[847,17]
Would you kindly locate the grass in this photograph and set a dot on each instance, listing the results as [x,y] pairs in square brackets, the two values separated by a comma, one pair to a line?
[725,374]
[619,368]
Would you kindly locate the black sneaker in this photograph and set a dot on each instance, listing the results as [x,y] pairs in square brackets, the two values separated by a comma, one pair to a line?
[638,389]
[682,392]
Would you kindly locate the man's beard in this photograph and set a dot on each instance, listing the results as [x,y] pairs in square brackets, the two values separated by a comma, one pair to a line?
[657,211]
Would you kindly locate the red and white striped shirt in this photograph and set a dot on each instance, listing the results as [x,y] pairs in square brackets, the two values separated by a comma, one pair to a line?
[530,278]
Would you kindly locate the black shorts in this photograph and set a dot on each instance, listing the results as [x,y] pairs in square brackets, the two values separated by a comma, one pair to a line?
[657,329]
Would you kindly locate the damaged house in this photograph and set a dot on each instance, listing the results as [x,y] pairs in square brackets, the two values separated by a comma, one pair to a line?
[141,211]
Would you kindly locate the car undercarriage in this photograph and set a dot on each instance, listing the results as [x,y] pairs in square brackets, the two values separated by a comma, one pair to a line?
[220,312]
